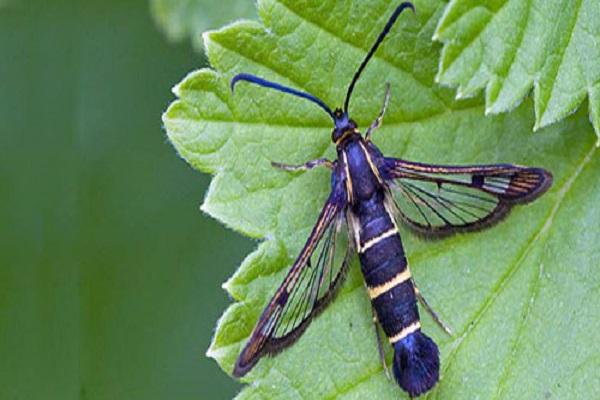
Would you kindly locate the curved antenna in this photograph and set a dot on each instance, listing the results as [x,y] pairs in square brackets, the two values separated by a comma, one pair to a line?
[380,38]
[263,82]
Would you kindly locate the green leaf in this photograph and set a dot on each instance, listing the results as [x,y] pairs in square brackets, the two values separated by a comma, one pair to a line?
[509,46]
[521,297]
[182,19]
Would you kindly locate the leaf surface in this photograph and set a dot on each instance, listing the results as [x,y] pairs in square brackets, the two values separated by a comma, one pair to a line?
[182,19]
[522,297]
[507,47]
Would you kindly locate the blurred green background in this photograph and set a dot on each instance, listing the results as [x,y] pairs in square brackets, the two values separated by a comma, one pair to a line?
[109,274]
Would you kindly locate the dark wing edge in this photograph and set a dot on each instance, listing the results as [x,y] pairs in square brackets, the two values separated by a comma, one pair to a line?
[304,299]
[451,199]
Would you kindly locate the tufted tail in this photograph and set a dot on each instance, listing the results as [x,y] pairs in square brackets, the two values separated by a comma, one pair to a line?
[416,363]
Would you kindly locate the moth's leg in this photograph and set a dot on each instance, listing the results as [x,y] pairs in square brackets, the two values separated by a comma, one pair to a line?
[321,162]
[377,123]
[380,344]
[433,314]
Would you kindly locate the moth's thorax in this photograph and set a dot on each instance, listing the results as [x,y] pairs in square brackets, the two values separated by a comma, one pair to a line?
[362,176]
[342,138]
[345,128]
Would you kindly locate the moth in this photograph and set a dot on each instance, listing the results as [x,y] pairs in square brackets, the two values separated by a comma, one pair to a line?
[370,195]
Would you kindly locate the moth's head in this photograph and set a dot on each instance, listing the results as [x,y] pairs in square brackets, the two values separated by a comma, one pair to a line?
[344,127]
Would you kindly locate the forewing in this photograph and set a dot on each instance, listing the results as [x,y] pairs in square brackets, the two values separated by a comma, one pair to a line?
[309,286]
[439,200]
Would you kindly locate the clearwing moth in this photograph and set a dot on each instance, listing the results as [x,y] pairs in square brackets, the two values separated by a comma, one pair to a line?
[370,194]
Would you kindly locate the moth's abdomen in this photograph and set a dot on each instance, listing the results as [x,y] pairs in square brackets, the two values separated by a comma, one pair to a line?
[385,269]
[390,287]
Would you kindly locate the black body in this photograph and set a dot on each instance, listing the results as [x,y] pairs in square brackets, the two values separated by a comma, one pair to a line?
[370,195]
[384,259]
[384,265]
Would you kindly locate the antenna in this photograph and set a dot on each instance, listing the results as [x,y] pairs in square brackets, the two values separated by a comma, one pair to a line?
[268,84]
[380,38]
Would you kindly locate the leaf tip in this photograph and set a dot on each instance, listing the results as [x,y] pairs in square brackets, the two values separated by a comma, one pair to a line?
[226,286]
[176,90]
[204,207]
[206,36]
[215,352]
[206,41]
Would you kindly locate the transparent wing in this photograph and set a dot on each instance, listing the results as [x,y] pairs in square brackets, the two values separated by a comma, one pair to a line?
[309,287]
[438,200]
